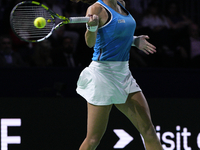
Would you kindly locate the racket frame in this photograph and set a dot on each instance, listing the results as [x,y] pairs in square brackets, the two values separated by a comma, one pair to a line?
[54,15]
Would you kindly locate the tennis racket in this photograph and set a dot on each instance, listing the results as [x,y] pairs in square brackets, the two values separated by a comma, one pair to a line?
[22,19]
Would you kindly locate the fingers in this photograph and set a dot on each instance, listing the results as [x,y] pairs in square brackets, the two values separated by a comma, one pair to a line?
[149,49]
[94,20]
[151,46]
[146,51]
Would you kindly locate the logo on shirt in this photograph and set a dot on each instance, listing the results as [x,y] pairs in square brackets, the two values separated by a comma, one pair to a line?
[121,21]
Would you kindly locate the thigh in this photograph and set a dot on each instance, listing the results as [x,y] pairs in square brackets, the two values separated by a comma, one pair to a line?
[97,120]
[137,110]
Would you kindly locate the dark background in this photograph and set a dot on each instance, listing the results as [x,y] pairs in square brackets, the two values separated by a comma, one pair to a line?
[54,117]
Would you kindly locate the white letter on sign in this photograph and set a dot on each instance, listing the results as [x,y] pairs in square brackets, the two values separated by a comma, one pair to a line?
[5,139]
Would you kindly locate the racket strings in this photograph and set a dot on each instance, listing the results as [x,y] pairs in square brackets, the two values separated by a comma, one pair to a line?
[23,22]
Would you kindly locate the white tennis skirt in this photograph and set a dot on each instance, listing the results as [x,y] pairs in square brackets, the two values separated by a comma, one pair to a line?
[106,82]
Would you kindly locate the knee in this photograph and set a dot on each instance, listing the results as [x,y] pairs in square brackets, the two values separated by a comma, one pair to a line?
[148,132]
[93,142]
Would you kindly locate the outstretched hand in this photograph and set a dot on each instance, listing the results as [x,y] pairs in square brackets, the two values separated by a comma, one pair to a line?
[142,44]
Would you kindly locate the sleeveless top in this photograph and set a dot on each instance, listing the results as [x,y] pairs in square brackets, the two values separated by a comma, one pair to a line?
[114,39]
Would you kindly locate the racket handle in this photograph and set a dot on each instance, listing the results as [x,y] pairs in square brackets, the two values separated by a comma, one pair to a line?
[79,19]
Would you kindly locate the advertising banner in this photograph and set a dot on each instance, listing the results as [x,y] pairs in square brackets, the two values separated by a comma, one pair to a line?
[60,123]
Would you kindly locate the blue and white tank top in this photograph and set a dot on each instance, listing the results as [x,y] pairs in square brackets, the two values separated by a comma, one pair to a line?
[114,39]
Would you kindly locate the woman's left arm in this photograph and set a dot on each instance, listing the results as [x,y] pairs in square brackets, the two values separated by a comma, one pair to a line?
[142,44]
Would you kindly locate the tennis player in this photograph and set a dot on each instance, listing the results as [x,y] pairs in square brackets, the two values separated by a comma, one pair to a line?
[107,81]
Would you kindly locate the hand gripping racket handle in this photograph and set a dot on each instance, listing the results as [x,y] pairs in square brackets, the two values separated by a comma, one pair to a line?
[79,19]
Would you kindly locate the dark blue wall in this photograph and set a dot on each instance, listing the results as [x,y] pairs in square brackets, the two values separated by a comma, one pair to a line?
[50,82]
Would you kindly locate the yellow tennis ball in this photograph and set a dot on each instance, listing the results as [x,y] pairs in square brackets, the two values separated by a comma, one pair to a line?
[40,22]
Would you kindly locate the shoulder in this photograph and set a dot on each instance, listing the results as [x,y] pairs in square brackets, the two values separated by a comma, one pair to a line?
[122,2]
[100,11]
[96,8]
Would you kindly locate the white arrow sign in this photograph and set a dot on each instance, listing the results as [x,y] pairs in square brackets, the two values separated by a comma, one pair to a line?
[124,139]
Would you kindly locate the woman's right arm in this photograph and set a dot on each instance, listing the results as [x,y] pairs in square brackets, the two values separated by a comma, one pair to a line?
[94,12]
